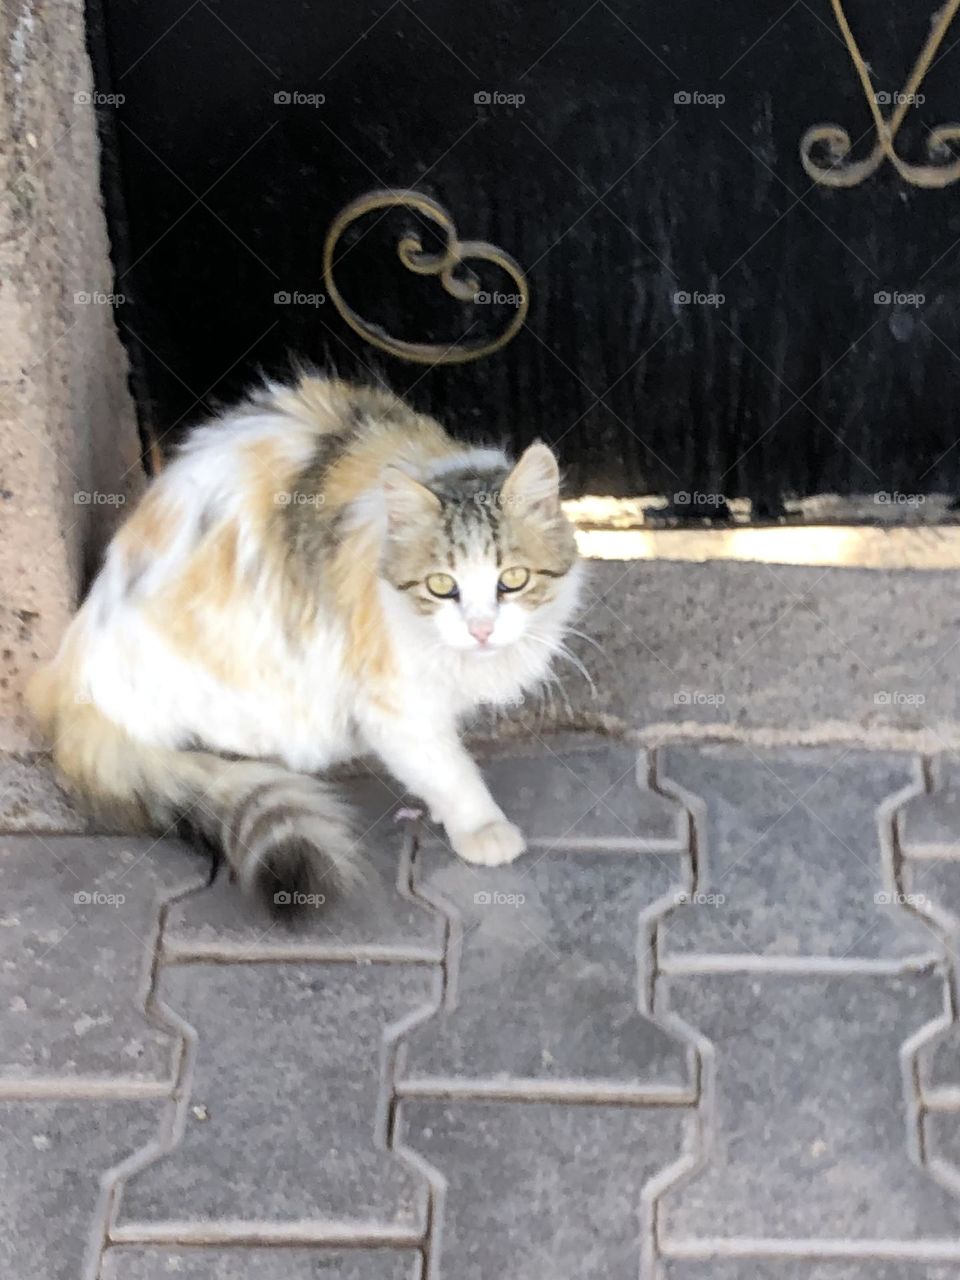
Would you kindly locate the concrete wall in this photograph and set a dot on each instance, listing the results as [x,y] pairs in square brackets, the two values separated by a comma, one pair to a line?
[69,455]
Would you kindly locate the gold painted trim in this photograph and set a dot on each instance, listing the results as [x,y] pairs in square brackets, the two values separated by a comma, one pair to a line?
[826,546]
[455,253]
[843,172]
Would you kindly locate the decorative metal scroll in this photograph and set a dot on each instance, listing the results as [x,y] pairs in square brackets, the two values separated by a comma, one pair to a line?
[450,264]
[844,172]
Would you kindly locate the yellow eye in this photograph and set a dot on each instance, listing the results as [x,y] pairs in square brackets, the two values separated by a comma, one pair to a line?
[513,579]
[442,585]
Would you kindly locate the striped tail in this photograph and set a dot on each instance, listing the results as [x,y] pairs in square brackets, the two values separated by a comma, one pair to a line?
[285,835]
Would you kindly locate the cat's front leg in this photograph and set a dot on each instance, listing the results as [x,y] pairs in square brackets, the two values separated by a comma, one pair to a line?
[431,762]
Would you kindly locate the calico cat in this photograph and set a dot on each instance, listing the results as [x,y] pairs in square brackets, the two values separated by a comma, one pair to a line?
[321,572]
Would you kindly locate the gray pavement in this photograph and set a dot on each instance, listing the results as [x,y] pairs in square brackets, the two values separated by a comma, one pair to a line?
[705,1029]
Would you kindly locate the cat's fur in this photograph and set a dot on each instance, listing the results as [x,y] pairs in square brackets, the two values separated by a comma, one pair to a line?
[266,601]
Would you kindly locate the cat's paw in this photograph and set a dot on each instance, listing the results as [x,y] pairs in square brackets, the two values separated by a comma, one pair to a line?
[490,846]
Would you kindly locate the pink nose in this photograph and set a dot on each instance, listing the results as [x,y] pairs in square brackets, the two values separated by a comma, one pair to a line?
[481,631]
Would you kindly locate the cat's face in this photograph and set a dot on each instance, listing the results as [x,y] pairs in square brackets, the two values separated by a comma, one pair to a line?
[481,557]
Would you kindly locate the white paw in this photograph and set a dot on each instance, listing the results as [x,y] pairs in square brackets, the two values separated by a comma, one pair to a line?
[492,845]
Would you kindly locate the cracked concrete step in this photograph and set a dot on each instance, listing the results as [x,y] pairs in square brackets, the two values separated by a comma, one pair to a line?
[52,1156]
[77,929]
[792,862]
[284,1106]
[536,1190]
[578,790]
[370,920]
[128,1262]
[543,989]
[809,1126]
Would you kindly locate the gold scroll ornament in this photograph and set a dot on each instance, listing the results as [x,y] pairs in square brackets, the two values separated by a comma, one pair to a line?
[455,253]
[843,172]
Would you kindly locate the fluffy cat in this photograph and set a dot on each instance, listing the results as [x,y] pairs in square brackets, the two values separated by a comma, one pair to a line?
[321,572]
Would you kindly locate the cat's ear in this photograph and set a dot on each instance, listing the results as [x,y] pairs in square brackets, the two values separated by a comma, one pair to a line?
[533,486]
[406,500]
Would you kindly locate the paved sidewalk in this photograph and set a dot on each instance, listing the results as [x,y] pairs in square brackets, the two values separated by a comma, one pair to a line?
[706,1029]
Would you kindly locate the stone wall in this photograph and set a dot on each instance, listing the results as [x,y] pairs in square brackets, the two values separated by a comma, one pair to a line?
[69,453]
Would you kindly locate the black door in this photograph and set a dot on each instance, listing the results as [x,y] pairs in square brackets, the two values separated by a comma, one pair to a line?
[682,286]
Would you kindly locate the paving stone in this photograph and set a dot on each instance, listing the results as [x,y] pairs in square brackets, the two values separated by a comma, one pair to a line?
[543,973]
[52,1157]
[809,1124]
[370,919]
[793,864]
[77,925]
[942,1133]
[933,884]
[133,1263]
[930,825]
[285,1099]
[540,1191]
[808,1269]
[572,790]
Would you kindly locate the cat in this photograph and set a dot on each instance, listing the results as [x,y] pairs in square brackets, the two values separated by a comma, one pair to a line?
[321,572]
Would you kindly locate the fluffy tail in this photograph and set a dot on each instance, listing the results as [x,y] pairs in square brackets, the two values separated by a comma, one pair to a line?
[287,838]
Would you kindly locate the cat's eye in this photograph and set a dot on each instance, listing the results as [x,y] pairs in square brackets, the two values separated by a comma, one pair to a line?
[442,585]
[513,579]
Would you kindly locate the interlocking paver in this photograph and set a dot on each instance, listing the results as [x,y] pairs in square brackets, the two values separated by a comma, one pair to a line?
[808,1123]
[537,1190]
[543,974]
[571,791]
[128,1262]
[52,1156]
[792,862]
[78,917]
[284,1102]
[371,919]
[930,823]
